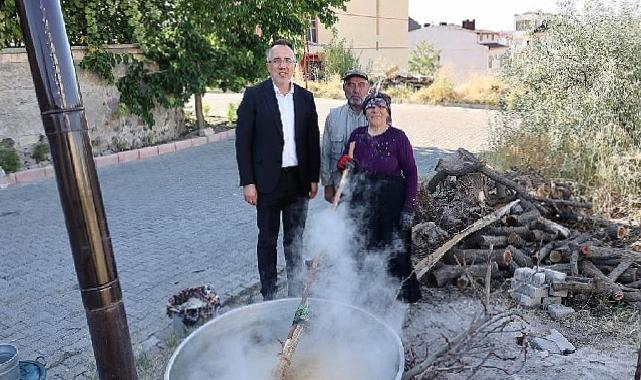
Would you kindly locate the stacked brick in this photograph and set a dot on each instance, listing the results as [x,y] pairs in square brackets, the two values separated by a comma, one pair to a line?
[530,287]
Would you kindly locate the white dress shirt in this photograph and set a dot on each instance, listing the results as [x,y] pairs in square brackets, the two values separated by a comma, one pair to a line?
[286,108]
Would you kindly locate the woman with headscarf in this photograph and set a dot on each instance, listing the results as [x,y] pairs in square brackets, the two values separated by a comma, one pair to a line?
[383,190]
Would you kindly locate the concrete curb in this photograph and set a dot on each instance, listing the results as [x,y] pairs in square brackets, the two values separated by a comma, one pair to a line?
[34,175]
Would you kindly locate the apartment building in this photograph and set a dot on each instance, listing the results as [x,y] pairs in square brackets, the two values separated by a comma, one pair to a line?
[464,51]
[374,30]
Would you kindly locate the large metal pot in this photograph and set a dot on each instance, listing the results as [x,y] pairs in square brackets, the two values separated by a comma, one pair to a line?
[343,342]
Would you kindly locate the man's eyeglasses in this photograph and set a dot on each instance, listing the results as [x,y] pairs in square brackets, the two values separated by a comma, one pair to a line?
[278,61]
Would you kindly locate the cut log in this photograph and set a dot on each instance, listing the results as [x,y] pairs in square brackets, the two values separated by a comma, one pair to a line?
[618,271]
[576,286]
[516,240]
[604,284]
[489,241]
[628,275]
[520,257]
[447,273]
[463,282]
[634,285]
[554,227]
[632,296]
[605,262]
[524,219]
[523,231]
[539,235]
[477,256]
[560,256]
[595,252]
[424,266]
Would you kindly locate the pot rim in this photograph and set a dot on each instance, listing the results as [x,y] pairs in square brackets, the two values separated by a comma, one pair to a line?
[232,313]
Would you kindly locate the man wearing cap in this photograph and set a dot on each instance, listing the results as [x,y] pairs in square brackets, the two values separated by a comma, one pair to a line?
[339,125]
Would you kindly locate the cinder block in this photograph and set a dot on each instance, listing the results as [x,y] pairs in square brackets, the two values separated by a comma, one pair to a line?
[558,293]
[30,175]
[150,151]
[546,301]
[535,291]
[525,300]
[214,138]
[198,141]
[554,276]
[111,159]
[538,279]
[524,274]
[183,144]
[166,148]
[557,311]
[128,155]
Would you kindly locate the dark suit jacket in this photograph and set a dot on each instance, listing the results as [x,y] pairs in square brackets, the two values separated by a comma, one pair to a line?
[259,138]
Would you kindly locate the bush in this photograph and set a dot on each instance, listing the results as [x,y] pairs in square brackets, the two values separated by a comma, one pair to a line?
[331,87]
[231,113]
[424,59]
[400,93]
[481,89]
[337,58]
[577,86]
[9,160]
[40,151]
[440,91]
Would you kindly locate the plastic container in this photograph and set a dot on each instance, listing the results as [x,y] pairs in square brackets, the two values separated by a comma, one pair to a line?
[9,368]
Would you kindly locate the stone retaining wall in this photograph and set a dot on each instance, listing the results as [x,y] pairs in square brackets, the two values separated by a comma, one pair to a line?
[110,130]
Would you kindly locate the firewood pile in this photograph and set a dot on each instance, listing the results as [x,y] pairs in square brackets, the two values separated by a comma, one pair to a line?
[546,240]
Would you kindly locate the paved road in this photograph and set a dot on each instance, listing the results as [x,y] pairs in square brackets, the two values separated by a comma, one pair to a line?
[176,221]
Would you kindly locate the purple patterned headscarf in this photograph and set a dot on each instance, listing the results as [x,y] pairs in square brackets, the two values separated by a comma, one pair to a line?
[379,99]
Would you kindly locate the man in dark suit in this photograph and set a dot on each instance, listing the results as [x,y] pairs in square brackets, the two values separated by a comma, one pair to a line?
[278,155]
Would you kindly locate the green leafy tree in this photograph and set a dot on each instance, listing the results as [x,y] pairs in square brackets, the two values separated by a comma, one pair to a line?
[577,87]
[188,45]
[337,57]
[424,59]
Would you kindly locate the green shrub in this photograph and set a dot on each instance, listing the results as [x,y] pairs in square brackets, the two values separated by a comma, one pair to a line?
[231,113]
[9,160]
[440,91]
[577,85]
[337,58]
[40,151]
[331,87]
[424,59]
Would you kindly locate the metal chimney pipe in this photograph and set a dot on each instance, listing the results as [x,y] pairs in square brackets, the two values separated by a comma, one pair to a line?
[63,117]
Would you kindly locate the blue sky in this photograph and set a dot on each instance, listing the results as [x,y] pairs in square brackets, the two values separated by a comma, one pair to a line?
[495,15]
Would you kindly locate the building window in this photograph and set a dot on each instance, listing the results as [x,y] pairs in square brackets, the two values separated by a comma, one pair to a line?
[312,32]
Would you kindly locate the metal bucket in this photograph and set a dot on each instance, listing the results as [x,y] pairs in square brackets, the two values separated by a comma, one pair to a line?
[9,369]
[245,343]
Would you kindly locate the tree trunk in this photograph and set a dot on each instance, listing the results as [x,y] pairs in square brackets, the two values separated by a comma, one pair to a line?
[200,117]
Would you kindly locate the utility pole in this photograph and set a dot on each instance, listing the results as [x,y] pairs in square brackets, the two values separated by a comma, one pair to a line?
[65,124]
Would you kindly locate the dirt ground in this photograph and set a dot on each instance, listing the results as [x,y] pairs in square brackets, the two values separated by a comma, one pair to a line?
[605,337]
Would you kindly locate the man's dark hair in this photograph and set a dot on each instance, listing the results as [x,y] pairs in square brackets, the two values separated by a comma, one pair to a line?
[283,42]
